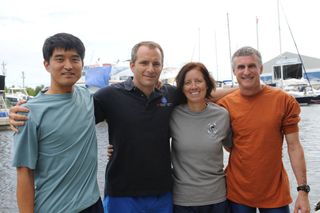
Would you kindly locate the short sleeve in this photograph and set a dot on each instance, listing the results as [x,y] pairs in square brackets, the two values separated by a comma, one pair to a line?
[292,116]
[25,146]
[98,109]
[227,142]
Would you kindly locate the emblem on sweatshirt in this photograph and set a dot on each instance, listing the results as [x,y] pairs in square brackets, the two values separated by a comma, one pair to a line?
[212,130]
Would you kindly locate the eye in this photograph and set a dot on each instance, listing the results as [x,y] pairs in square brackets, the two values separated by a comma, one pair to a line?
[156,65]
[76,59]
[186,83]
[59,59]
[145,63]
[240,67]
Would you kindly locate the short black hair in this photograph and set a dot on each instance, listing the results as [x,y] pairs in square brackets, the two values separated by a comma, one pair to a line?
[64,41]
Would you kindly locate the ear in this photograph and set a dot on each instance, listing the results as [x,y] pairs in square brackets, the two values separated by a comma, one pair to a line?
[132,66]
[46,65]
[261,69]
[234,72]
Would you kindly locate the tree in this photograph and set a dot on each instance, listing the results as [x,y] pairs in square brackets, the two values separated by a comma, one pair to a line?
[30,91]
[38,89]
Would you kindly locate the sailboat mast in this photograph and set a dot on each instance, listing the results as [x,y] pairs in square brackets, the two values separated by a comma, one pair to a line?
[216,52]
[257,31]
[279,28]
[229,48]
[199,43]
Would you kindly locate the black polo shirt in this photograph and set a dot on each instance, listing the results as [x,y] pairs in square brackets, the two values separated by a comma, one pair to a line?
[139,132]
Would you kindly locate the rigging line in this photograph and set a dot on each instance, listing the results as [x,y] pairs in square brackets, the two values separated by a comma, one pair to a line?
[296,46]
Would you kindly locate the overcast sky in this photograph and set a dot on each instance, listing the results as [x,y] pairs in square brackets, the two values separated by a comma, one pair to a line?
[109,29]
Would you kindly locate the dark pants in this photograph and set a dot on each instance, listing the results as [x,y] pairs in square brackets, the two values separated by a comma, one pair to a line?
[238,208]
[222,207]
[95,208]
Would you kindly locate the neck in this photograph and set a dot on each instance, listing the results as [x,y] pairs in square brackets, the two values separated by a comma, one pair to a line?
[250,92]
[197,107]
[146,90]
[53,90]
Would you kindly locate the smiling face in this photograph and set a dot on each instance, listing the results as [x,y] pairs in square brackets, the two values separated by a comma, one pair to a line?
[247,70]
[65,67]
[195,87]
[146,68]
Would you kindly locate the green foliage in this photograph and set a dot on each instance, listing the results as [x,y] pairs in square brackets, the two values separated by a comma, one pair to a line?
[34,92]
[30,91]
[38,89]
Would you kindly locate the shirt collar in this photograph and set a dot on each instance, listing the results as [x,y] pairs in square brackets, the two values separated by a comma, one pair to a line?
[129,86]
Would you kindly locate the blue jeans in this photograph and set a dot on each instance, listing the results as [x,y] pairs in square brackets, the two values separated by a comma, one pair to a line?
[138,204]
[222,207]
[238,208]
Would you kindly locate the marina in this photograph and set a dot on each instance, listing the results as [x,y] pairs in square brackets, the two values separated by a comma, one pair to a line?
[309,134]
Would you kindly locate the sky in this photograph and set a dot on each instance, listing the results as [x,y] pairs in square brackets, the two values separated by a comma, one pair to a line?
[188,30]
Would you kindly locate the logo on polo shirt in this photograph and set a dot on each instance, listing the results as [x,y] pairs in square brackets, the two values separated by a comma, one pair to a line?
[164,102]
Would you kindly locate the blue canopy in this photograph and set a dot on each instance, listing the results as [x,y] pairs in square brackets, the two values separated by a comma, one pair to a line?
[97,76]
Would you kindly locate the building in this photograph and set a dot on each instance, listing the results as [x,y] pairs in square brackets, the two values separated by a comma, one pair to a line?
[288,65]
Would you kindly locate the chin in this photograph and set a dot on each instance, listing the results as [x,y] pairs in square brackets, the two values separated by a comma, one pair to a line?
[149,83]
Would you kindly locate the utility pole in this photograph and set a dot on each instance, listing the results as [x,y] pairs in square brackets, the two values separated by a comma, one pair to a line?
[3,67]
[23,77]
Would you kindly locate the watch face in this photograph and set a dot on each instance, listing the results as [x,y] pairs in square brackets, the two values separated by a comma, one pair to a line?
[305,188]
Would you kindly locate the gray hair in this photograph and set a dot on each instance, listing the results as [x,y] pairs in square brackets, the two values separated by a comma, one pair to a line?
[246,51]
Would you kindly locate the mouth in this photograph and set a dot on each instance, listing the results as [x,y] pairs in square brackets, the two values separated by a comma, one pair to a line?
[247,78]
[195,93]
[68,74]
[149,76]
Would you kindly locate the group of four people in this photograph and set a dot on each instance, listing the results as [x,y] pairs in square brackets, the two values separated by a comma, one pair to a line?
[56,148]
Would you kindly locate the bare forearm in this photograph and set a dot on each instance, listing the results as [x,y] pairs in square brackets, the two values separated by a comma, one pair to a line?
[298,164]
[25,190]
[220,93]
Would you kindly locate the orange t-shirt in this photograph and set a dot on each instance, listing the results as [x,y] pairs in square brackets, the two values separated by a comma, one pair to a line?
[255,173]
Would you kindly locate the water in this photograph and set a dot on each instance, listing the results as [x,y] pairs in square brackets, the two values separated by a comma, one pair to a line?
[309,134]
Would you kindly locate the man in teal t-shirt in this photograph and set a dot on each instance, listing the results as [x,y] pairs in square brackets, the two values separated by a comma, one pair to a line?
[57,161]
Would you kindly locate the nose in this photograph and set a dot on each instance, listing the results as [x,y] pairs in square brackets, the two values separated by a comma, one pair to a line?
[67,64]
[193,84]
[150,67]
[246,70]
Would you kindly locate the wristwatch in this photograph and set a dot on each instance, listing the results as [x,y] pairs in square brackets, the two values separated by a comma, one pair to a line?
[304,187]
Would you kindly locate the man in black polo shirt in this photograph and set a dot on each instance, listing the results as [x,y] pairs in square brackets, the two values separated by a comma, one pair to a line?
[138,174]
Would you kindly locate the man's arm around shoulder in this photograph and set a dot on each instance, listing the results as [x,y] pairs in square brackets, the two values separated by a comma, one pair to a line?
[220,93]
[25,190]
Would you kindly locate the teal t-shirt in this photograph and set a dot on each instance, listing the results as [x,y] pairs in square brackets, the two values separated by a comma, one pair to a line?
[59,143]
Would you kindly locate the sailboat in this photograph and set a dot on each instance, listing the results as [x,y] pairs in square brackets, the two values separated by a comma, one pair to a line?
[290,73]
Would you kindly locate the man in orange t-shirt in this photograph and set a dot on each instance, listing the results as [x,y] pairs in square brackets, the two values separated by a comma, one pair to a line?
[260,117]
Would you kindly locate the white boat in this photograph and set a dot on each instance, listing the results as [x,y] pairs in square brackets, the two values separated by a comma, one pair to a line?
[4,118]
[16,94]
[288,74]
